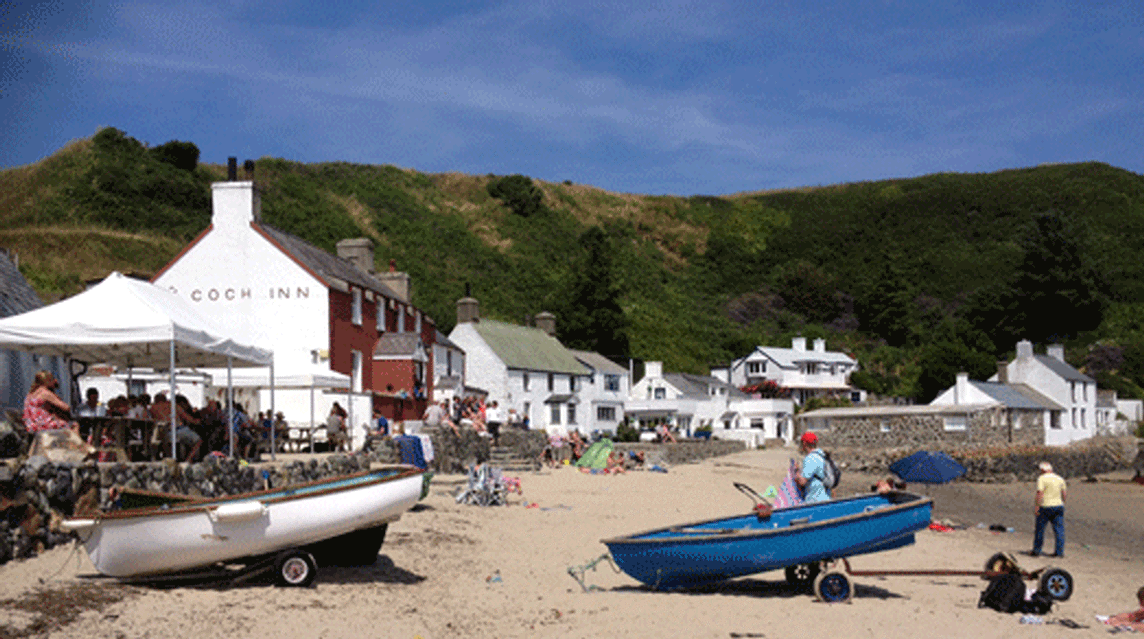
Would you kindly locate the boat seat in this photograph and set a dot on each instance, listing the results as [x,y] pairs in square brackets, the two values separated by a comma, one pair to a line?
[800,521]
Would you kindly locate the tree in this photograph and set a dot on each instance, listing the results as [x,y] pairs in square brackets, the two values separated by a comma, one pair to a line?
[519,194]
[887,308]
[940,363]
[593,320]
[809,290]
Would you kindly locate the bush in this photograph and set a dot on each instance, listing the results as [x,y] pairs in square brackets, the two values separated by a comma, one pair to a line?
[181,155]
[518,193]
[1140,430]
[626,433]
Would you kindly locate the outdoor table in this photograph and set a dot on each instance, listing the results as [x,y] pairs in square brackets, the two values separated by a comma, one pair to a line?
[305,437]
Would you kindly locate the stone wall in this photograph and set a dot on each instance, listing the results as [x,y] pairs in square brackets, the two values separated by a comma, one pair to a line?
[684,452]
[1009,463]
[990,427]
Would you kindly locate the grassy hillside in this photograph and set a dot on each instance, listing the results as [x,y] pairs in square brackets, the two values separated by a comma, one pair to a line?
[917,277]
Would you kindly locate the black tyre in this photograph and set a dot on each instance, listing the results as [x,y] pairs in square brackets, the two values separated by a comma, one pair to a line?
[1056,583]
[295,569]
[802,575]
[1000,562]
[833,587]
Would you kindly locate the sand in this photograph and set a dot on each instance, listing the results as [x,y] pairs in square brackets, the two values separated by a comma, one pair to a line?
[449,570]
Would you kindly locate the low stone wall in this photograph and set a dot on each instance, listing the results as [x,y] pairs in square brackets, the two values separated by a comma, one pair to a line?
[1008,464]
[684,452]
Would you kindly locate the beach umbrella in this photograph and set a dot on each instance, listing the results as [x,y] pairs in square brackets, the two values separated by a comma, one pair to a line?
[925,467]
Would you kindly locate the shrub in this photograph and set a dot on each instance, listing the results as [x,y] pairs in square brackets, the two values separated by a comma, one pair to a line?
[518,193]
[627,433]
[1140,430]
[181,155]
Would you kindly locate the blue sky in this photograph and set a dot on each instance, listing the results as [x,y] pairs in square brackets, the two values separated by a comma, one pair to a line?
[680,97]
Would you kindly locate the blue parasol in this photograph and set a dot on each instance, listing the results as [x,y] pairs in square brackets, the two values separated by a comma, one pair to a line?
[925,467]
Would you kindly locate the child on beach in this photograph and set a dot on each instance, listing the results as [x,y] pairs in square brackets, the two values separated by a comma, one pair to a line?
[1134,619]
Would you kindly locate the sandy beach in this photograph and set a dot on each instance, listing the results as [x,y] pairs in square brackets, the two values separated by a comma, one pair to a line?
[449,570]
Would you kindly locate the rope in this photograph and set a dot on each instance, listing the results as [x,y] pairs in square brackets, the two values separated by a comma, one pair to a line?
[577,572]
[78,563]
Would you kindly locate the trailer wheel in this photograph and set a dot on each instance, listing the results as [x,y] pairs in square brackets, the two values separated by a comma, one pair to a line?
[802,575]
[1056,583]
[833,587]
[295,569]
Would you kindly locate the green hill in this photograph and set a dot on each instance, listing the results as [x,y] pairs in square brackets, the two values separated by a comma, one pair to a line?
[917,277]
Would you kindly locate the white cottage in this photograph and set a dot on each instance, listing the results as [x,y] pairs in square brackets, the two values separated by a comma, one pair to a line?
[1053,377]
[806,373]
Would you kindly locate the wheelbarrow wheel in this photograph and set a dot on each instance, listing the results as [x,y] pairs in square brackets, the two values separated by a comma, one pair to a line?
[295,569]
[1056,583]
[802,575]
[833,587]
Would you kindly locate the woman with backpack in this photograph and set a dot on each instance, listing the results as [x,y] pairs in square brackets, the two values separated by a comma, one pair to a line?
[812,477]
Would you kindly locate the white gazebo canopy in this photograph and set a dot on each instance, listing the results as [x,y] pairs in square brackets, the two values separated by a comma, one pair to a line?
[129,322]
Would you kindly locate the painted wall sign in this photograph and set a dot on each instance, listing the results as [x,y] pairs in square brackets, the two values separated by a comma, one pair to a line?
[245,293]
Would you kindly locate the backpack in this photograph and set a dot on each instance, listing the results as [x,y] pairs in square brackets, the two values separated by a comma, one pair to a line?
[831,474]
[1005,593]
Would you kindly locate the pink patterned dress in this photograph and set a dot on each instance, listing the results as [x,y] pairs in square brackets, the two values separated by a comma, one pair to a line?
[37,417]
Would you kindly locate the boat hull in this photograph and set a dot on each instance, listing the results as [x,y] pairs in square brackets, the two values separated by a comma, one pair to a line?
[714,550]
[196,534]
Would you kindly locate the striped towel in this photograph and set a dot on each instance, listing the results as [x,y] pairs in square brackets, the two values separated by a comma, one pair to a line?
[788,492]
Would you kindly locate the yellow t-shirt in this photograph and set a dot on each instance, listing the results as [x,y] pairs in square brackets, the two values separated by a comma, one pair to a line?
[1051,487]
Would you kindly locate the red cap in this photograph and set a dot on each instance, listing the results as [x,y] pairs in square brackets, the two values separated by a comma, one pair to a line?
[809,438]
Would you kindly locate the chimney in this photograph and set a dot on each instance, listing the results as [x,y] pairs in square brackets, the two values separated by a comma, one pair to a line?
[798,344]
[1024,349]
[653,369]
[234,205]
[961,389]
[468,308]
[820,345]
[546,322]
[1003,372]
[248,168]
[359,252]
[1057,351]
[232,169]
[397,280]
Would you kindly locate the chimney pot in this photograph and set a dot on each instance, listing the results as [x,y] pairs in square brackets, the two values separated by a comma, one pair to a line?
[248,168]
[392,265]
[357,251]
[1003,372]
[961,389]
[798,344]
[468,309]
[1057,351]
[231,169]
[546,322]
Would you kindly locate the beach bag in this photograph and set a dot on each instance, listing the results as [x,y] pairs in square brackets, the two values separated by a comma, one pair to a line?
[1005,593]
[831,474]
[1038,603]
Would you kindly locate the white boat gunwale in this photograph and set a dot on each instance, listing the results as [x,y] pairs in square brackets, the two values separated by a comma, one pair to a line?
[205,504]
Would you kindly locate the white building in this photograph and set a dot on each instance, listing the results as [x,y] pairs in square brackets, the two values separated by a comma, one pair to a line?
[1054,378]
[449,369]
[605,392]
[806,373]
[524,368]
[687,402]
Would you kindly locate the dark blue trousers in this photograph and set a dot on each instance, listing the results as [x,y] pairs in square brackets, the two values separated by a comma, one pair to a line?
[1056,515]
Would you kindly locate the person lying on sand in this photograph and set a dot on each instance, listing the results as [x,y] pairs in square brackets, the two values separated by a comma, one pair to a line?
[1134,619]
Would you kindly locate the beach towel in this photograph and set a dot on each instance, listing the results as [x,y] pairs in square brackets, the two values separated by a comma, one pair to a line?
[597,455]
[788,494]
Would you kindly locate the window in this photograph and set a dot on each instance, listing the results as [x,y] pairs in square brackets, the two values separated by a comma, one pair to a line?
[605,413]
[555,416]
[661,393]
[526,412]
[356,382]
[572,385]
[1082,422]
[356,310]
[1074,418]
[1073,386]
[400,318]
[954,422]
[611,382]
[525,381]
[380,314]
[1055,419]
[855,396]
[1084,391]
[571,413]
[758,423]
[756,368]
[551,382]
[418,324]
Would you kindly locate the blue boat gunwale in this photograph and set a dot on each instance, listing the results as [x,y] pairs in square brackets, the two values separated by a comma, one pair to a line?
[901,501]
[275,495]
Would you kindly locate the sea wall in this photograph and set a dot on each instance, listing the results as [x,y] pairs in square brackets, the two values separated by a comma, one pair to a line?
[1008,464]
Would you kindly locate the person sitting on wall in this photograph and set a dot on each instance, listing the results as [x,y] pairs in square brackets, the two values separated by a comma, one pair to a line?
[665,435]
[381,424]
[336,428]
[43,409]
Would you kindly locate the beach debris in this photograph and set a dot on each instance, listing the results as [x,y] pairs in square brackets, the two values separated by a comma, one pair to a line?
[577,572]
[494,578]
[487,486]
[1032,620]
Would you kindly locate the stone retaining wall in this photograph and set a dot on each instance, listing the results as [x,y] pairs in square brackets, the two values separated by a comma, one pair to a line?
[1008,464]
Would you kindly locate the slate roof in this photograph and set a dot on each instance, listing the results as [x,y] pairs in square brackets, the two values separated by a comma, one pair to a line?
[1016,395]
[789,357]
[1063,369]
[530,349]
[16,295]
[443,340]
[599,362]
[696,386]
[328,267]
[1106,399]
[397,344]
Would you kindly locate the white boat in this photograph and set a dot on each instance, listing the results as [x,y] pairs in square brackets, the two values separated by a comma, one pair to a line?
[349,513]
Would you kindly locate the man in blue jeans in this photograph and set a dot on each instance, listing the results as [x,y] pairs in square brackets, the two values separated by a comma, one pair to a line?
[1050,507]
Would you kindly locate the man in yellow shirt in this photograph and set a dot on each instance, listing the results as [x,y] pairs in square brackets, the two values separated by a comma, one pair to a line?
[1050,507]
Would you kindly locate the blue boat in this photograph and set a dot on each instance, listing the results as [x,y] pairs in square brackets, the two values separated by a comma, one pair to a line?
[792,538]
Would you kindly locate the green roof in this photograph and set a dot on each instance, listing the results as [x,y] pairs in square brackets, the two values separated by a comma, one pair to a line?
[529,349]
